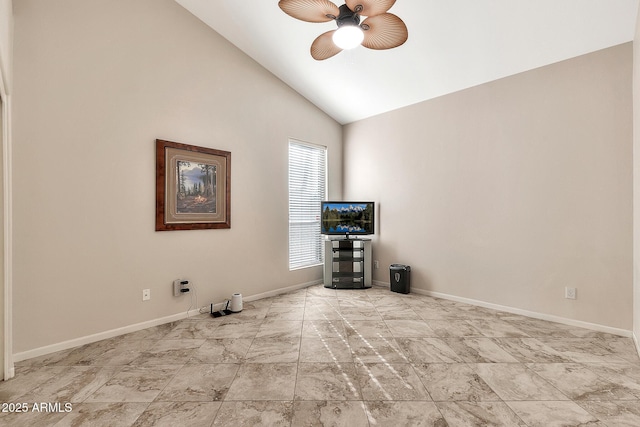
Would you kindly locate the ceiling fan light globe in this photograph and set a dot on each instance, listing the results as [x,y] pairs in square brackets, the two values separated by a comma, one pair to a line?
[348,37]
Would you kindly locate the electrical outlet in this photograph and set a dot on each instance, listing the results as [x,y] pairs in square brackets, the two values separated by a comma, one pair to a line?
[570,293]
[376,264]
[146,294]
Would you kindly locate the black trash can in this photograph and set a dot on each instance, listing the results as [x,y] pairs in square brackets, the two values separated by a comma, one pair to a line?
[400,278]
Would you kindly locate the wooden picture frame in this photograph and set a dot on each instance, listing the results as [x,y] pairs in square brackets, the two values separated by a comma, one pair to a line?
[193,187]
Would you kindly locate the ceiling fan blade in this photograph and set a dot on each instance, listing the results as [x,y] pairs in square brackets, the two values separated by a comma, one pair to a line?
[384,31]
[323,46]
[370,7]
[310,10]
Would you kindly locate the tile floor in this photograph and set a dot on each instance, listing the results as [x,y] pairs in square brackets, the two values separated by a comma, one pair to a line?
[337,358]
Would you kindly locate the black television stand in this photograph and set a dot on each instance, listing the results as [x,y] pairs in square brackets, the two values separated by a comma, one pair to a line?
[347,263]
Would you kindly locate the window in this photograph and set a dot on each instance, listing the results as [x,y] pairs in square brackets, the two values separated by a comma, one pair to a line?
[307,188]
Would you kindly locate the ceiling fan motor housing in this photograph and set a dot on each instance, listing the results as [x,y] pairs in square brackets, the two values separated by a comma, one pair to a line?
[347,17]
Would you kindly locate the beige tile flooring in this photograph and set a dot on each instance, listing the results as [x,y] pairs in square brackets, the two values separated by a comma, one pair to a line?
[328,357]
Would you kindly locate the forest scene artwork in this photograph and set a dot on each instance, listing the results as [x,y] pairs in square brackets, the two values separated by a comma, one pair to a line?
[196,192]
[193,187]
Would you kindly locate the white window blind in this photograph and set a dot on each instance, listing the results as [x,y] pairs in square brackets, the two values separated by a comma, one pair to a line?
[307,188]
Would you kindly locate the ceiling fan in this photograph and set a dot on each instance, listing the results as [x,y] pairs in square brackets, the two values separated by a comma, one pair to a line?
[380,30]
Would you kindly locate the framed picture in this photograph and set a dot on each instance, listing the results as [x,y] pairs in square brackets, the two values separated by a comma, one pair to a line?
[193,187]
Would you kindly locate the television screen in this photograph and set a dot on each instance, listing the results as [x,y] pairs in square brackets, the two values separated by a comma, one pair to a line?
[347,218]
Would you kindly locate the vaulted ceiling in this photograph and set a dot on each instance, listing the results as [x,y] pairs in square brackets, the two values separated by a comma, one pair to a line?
[452,45]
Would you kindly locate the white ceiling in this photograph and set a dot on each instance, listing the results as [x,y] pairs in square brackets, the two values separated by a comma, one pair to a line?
[452,45]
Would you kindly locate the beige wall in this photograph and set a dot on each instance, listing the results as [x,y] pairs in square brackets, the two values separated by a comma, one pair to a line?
[508,192]
[95,84]
[2,271]
[636,181]
[6,32]
[6,29]
[516,188]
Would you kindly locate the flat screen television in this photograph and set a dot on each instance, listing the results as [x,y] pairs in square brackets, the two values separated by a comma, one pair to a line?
[347,218]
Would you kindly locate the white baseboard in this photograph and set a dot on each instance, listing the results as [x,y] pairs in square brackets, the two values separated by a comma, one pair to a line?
[533,314]
[65,345]
[281,291]
[635,341]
